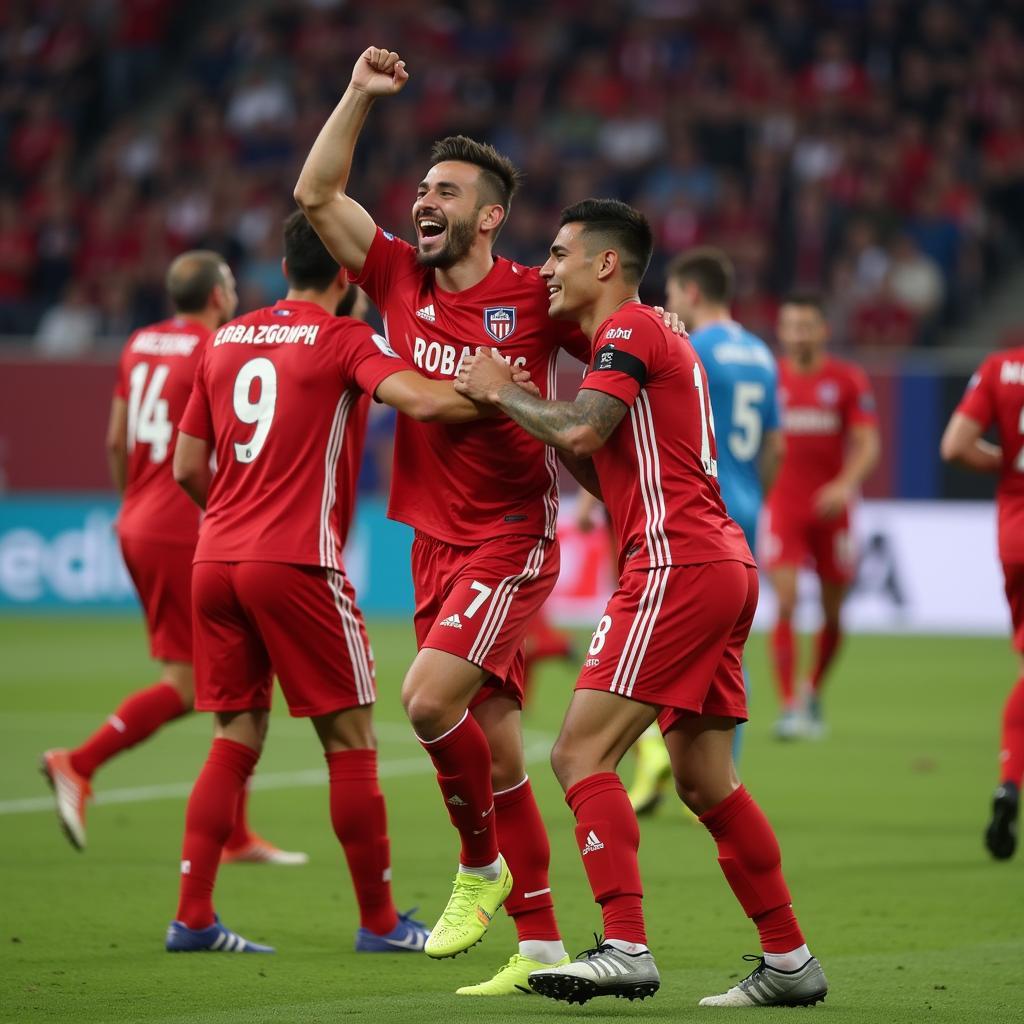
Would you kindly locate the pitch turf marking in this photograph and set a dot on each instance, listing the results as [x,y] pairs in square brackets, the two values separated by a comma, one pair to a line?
[538,748]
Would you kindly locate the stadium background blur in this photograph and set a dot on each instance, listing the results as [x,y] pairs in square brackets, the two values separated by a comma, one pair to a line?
[872,149]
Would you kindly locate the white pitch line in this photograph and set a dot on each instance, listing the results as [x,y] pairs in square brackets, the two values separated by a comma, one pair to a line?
[421,765]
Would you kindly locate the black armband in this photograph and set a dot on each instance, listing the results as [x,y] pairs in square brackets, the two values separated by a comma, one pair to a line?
[612,358]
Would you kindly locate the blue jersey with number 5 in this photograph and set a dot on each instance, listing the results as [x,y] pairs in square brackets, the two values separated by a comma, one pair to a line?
[743,380]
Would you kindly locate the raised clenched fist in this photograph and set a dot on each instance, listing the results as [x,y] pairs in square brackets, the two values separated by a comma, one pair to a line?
[379,72]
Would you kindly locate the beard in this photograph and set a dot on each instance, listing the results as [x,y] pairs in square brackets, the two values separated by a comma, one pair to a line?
[456,247]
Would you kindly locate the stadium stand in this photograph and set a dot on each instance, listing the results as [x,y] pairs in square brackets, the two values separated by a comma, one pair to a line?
[873,149]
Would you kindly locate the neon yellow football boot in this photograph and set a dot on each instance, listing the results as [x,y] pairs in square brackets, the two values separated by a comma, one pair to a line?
[474,902]
[511,980]
[653,773]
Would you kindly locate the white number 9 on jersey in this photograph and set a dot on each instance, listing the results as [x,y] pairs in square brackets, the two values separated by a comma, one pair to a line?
[260,412]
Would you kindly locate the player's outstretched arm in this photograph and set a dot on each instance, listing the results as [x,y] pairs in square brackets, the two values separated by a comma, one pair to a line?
[345,228]
[428,400]
[117,443]
[579,427]
[191,467]
[963,444]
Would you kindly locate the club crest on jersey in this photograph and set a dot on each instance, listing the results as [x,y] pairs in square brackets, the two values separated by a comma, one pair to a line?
[500,322]
[828,392]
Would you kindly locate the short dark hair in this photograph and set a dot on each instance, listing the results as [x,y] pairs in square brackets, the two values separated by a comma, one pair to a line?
[307,262]
[191,278]
[809,297]
[709,269]
[498,175]
[624,228]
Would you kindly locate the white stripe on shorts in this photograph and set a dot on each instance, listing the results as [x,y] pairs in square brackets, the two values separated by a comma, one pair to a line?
[501,601]
[640,631]
[361,670]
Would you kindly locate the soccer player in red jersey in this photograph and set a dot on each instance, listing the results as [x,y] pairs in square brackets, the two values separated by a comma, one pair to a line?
[995,398]
[157,527]
[485,556]
[669,647]
[831,438]
[271,399]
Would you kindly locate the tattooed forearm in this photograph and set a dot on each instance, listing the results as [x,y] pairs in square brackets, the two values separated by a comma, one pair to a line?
[578,427]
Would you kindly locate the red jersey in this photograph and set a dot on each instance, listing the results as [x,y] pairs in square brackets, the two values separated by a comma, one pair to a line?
[274,392]
[466,483]
[995,397]
[658,469]
[350,464]
[818,411]
[155,377]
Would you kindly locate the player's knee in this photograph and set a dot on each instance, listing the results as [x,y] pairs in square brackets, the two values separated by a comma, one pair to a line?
[179,675]
[702,794]
[429,714]
[506,771]
[567,764]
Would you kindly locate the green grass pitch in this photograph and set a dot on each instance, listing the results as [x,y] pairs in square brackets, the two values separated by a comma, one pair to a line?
[880,827]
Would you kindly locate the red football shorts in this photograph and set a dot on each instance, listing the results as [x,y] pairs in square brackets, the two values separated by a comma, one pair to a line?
[477,602]
[673,637]
[162,574]
[300,619]
[1013,575]
[802,540]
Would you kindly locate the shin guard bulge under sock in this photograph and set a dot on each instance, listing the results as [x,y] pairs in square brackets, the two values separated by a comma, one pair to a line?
[523,841]
[462,758]
[751,861]
[208,820]
[139,716]
[608,836]
[359,817]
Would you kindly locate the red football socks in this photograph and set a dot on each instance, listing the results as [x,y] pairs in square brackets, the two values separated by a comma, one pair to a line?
[463,762]
[1011,754]
[828,644]
[608,836]
[240,836]
[749,855]
[784,656]
[208,820]
[139,716]
[360,822]
[524,844]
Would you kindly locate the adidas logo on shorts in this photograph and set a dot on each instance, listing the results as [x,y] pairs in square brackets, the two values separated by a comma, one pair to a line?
[593,844]
[456,801]
[427,313]
[453,620]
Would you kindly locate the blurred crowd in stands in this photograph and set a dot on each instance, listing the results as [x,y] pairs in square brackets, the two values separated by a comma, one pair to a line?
[874,149]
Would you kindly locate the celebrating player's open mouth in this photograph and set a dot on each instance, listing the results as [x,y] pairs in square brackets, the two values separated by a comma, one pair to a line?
[431,231]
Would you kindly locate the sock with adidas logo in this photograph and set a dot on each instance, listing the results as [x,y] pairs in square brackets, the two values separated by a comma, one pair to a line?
[463,762]
[608,836]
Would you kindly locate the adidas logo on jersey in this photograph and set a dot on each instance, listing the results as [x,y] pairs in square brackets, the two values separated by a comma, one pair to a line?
[593,844]
[427,313]
[453,620]
[456,801]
